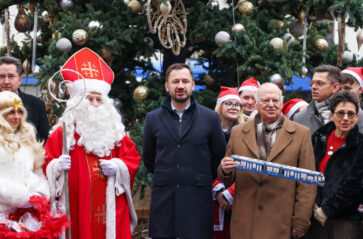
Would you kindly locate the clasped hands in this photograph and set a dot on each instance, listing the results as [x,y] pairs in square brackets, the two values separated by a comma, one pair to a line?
[228,165]
[108,167]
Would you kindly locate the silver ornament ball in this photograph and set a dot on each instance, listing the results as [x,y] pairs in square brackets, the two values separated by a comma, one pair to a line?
[238,27]
[64,45]
[277,43]
[304,71]
[347,57]
[45,16]
[95,25]
[79,37]
[66,4]
[222,38]
[277,79]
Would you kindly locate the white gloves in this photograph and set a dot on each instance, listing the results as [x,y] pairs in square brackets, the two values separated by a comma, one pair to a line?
[64,163]
[109,168]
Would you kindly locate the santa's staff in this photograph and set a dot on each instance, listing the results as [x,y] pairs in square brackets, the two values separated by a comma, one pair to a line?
[64,138]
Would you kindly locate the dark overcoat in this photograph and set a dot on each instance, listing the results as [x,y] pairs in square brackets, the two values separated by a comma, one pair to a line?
[36,114]
[183,154]
[342,192]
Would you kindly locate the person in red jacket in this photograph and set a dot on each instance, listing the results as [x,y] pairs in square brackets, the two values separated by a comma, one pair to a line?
[102,160]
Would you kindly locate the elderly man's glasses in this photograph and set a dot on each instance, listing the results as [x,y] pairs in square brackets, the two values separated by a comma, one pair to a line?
[230,105]
[318,83]
[10,77]
[341,114]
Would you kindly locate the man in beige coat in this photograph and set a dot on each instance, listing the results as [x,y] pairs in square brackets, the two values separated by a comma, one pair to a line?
[264,206]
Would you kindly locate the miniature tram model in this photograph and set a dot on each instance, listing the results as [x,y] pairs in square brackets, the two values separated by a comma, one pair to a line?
[279,170]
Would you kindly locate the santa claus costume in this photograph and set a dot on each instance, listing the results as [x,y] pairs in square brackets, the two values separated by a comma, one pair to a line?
[100,206]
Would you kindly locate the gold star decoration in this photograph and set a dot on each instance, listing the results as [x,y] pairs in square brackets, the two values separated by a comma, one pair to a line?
[16,104]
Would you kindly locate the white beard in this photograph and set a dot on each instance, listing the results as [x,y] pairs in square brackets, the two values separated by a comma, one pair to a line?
[100,128]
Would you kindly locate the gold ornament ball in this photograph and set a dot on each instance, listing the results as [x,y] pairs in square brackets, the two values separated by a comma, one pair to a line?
[277,24]
[140,92]
[106,54]
[79,37]
[238,27]
[321,44]
[26,67]
[277,43]
[135,6]
[22,22]
[208,79]
[246,7]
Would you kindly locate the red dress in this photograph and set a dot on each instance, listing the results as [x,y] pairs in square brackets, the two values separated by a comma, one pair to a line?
[87,187]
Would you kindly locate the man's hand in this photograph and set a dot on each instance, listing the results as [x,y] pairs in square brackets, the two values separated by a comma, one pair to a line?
[228,164]
[64,163]
[296,233]
[109,168]
[222,202]
[320,215]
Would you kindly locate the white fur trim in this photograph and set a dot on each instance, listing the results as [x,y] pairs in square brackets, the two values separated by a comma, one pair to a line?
[295,108]
[221,220]
[122,185]
[110,208]
[247,87]
[228,196]
[76,88]
[228,97]
[355,75]
[217,188]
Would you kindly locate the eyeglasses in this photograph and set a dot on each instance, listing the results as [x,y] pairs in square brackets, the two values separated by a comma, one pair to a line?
[318,83]
[10,77]
[341,114]
[230,105]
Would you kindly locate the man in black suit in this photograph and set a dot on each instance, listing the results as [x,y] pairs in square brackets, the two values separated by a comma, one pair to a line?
[10,80]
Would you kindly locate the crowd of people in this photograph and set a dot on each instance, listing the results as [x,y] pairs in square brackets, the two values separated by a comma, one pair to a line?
[85,165]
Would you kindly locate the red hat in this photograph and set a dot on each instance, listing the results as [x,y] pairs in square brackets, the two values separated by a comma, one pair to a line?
[228,93]
[290,107]
[356,72]
[250,84]
[98,76]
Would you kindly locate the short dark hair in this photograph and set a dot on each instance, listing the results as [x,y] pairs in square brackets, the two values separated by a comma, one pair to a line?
[344,96]
[348,79]
[333,72]
[9,60]
[177,66]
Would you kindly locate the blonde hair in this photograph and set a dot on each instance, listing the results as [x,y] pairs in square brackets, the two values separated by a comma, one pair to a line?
[24,134]
[218,110]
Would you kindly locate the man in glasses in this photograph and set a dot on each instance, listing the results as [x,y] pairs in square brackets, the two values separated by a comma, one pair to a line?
[324,84]
[10,80]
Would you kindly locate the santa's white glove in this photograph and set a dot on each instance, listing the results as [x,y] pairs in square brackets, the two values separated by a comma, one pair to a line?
[109,168]
[63,163]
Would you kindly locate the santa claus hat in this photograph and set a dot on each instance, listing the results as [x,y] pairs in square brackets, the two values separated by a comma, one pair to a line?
[97,75]
[228,93]
[290,107]
[249,84]
[356,72]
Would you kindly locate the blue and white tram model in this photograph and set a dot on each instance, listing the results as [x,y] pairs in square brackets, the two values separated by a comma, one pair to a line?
[279,170]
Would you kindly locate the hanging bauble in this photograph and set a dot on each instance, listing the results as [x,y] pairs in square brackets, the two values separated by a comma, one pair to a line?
[140,92]
[79,37]
[22,21]
[222,38]
[238,27]
[66,4]
[277,43]
[154,75]
[165,8]
[289,38]
[347,57]
[149,42]
[212,4]
[39,36]
[297,30]
[106,54]
[56,35]
[304,71]
[45,16]
[246,7]
[321,44]
[208,79]
[135,6]
[277,24]
[360,38]
[26,67]
[301,16]
[95,25]
[64,45]
[277,80]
